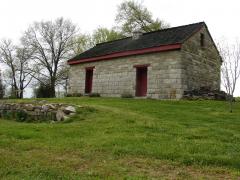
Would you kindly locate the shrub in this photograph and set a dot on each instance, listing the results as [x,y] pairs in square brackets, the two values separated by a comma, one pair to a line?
[237,99]
[74,95]
[94,95]
[12,97]
[44,91]
[21,116]
[7,114]
[2,89]
[126,95]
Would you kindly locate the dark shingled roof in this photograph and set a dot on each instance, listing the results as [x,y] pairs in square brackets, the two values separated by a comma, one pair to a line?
[158,38]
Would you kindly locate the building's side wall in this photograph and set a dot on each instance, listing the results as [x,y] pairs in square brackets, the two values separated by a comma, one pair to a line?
[118,76]
[202,64]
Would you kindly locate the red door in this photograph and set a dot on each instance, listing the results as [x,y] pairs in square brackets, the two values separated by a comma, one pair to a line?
[88,81]
[141,81]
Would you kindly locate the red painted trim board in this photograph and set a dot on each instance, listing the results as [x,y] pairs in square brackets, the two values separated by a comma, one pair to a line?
[128,53]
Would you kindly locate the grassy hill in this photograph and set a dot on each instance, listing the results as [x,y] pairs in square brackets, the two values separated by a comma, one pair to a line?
[126,138]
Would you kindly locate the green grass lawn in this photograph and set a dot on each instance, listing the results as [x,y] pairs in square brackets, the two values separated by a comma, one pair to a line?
[126,139]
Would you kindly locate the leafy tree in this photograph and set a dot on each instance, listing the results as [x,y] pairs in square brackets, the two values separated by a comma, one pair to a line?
[82,43]
[134,16]
[104,35]
[52,42]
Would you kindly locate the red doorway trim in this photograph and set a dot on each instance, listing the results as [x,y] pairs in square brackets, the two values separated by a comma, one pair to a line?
[89,68]
[141,65]
[128,53]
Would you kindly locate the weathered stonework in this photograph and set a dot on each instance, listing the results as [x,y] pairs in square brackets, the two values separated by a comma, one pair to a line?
[34,112]
[169,73]
[202,64]
[118,76]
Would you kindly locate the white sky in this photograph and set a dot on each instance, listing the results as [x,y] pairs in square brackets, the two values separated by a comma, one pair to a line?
[221,16]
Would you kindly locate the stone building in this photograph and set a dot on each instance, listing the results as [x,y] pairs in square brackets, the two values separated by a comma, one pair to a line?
[160,64]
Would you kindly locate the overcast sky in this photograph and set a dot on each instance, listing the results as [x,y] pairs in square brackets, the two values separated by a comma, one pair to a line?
[222,17]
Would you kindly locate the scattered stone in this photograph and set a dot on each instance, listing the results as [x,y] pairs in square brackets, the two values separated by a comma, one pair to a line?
[51,106]
[29,107]
[38,112]
[13,107]
[37,107]
[72,114]
[69,109]
[205,93]
[42,102]
[66,117]
[60,115]
[45,108]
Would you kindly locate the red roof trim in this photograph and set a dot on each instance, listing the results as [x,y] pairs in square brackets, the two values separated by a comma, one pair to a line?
[127,53]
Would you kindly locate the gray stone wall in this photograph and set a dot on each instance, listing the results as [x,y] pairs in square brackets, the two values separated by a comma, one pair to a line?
[118,76]
[202,64]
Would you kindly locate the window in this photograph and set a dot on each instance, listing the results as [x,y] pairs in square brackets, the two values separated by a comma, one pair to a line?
[202,40]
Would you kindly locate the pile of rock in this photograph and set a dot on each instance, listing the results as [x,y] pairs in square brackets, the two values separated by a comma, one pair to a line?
[205,93]
[37,111]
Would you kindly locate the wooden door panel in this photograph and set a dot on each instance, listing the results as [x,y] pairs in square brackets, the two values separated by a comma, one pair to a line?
[88,81]
[141,81]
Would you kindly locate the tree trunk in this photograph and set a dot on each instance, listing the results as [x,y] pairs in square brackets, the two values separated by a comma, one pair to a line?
[231,104]
[15,92]
[52,89]
[21,94]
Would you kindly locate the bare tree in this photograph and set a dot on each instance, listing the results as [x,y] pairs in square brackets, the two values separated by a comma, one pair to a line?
[17,61]
[25,74]
[52,44]
[8,57]
[2,87]
[230,69]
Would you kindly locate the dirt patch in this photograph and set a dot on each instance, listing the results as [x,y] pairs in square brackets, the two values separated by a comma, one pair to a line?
[162,169]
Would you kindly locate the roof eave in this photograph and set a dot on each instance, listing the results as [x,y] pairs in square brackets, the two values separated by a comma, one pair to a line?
[162,48]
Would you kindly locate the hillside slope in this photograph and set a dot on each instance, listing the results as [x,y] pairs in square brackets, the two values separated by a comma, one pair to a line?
[126,138]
